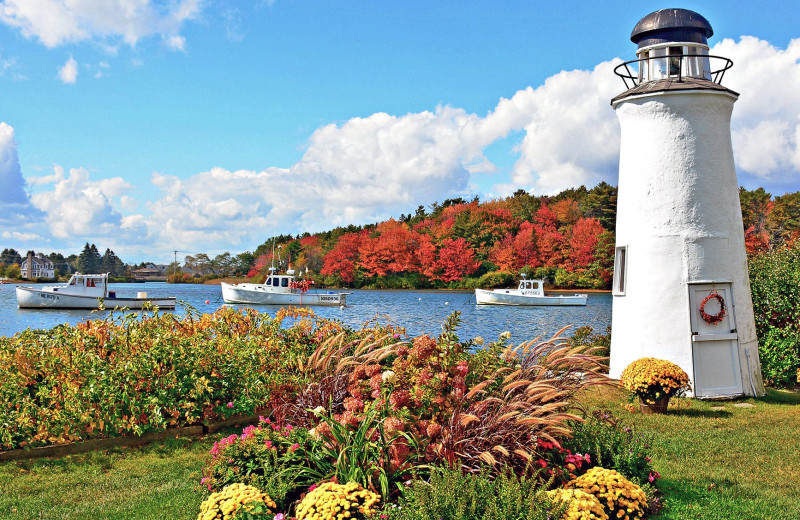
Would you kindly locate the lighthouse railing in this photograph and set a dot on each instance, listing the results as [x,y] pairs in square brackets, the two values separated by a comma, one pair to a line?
[672,66]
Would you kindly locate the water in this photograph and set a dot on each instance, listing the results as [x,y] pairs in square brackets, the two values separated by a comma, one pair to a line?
[418,311]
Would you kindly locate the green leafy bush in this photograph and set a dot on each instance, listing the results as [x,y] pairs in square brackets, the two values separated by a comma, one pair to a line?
[779,352]
[614,446]
[775,286]
[452,495]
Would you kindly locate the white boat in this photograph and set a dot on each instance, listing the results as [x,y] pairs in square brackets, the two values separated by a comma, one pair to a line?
[529,292]
[280,289]
[84,291]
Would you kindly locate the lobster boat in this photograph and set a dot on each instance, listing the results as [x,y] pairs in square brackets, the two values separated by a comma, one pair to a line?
[280,289]
[85,291]
[529,292]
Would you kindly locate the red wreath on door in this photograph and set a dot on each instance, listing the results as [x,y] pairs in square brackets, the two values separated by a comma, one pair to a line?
[713,319]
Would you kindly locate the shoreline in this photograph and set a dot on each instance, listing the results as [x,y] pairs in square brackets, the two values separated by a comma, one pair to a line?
[218,281]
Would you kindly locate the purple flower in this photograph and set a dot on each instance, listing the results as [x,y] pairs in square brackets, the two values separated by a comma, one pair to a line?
[279,516]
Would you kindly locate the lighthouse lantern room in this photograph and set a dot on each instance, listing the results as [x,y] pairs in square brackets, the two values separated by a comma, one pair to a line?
[681,290]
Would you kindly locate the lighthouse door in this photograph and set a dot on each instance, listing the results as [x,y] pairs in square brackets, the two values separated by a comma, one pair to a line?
[715,342]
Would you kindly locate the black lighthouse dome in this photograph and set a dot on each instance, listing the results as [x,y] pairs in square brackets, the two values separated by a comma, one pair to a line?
[671,25]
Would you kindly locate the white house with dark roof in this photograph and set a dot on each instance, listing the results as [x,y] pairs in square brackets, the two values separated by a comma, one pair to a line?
[37,266]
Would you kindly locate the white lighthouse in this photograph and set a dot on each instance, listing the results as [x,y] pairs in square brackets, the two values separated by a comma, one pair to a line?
[681,290]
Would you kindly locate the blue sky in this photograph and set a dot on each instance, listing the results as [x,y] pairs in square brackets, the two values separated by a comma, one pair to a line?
[200,125]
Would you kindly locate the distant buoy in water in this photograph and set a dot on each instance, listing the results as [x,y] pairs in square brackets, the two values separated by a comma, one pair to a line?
[447,303]
[420,299]
[207,302]
[341,307]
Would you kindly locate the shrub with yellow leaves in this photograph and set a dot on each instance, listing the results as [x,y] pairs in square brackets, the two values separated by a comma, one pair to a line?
[233,499]
[582,505]
[333,501]
[652,379]
[621,498]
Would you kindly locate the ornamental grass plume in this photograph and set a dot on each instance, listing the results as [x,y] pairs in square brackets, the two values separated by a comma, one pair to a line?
[653,379]
[621,498]
[582,505]
[333,501]
[501,418]
[232,500]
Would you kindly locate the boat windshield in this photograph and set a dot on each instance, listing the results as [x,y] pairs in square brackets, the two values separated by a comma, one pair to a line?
[284,282]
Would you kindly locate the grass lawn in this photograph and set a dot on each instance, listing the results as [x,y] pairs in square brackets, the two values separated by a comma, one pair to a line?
[156,482]
[717,461]
[722,461]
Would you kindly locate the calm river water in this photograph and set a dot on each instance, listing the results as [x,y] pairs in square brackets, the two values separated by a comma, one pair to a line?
[418,311]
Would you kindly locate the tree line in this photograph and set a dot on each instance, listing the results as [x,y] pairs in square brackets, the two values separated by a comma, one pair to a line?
[567,238]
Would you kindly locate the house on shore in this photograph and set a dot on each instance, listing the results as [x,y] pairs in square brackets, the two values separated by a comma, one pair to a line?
[150,273]
[37,266]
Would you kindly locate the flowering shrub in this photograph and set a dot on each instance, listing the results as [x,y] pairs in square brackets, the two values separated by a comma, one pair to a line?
[135,373]
[332,501]
[559,462]
[374,452]
[582,505]
[234,499]
[620,497]
[273,458]
[652,379]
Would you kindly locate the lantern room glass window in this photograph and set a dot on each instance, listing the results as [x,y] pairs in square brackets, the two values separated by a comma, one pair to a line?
[673,61]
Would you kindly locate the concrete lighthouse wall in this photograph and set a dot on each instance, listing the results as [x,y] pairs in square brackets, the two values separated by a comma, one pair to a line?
[679,216]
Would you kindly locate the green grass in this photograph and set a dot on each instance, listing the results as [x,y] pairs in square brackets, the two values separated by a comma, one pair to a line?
[160,481]
[733,463]
[729,463]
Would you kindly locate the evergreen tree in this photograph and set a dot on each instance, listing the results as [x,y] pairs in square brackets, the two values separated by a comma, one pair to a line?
[89,260]
[10,256]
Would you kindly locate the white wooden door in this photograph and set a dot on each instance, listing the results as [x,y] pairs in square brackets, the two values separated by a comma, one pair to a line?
[715,346]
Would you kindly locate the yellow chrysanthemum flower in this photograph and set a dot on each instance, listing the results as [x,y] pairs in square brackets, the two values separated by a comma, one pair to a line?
[224,504]
[624,498]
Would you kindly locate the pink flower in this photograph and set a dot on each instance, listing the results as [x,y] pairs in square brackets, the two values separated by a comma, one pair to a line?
[293,447]
[279,516]
[230,405]
[542,463]
[312,488]
[653,476]
[268,444]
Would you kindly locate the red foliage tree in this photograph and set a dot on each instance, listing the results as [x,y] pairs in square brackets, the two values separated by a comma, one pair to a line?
[393,250]
[456,260]
[503,253]
[583,241]
[525,246]
[342,259]
[550,242]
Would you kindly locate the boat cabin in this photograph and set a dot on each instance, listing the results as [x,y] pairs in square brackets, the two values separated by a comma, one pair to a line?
[279,280]
[531,287]
[84,285]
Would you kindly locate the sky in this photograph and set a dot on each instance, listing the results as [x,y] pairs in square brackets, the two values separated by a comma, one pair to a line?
[204,126]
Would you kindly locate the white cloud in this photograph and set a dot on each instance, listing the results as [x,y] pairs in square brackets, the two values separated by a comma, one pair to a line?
[69,72]
[766,119]
[15,207]
[77,206]
[176,42]
[22,237]
[57,22]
